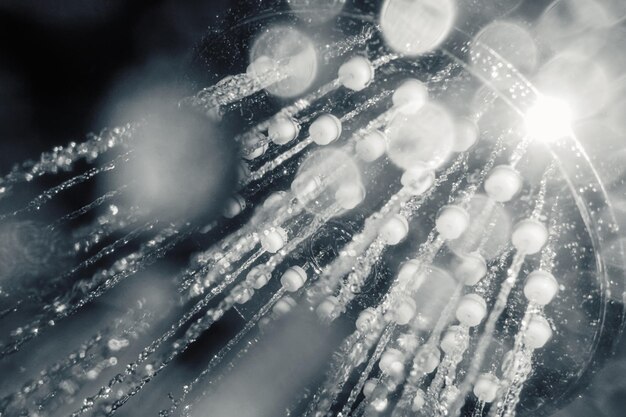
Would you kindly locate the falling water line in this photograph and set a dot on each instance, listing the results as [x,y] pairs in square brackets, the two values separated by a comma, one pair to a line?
[385,380]
[105,391]
[107,250]
[243,351]
[499,305]
[343,367]
[463,198]
[358,387]
[197,328]
[255,137]
[467,194]
[303,144]
[517,372]
[52,379]
[520,363]
[65,305]
[64,158]
[427,253]
[403,202]
[243,242]
[519,151]
[214,314]
[479,409]
[348,44]
[86,237]
[47,195]
[219,356]
[88,207]
[228,250]
[296,149]
[234,88]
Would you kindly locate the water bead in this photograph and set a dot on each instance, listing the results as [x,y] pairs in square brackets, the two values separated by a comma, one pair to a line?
[394,230]
[368,320]
[471,268]
[371,146]
[283,130]
[452,221]
[418,179]
[538,332]
[274,200]
[391,362]
[428,359]
[256,152]
[529,236]
[486,387]
[233,206]
[503,183]
[325,129]
[369,386]
[454,340]
[356,74]
[273,240]
[540,287]
[293,278]
[471,310]
[284,306]
[410,96]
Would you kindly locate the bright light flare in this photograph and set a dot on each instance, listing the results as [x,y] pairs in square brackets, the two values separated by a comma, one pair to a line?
[548,119]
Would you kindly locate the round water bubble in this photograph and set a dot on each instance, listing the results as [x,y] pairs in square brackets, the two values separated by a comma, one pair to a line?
[508,40]
[580,82]
[325,177]
[412,27]
[289,51]
[316,11]
[424,138]
[488,232]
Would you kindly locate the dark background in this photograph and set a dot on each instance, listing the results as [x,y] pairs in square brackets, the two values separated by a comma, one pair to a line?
[63,61]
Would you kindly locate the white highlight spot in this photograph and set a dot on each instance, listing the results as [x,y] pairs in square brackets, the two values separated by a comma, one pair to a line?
[548,119]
